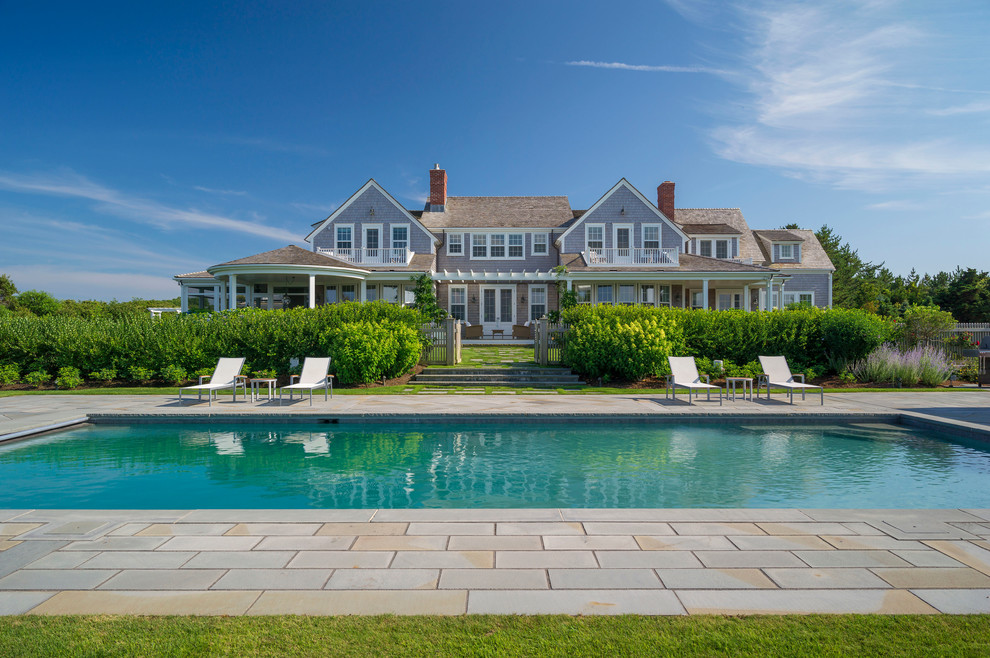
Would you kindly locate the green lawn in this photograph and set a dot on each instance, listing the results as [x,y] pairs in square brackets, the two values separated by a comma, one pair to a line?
[845,635]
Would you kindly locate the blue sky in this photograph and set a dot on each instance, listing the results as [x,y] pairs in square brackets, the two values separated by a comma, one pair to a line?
[142,140]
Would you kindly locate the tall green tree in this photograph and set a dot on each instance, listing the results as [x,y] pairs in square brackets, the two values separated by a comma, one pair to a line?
[7,291]
[967,296]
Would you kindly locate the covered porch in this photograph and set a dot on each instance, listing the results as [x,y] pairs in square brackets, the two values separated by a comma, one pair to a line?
[724,291]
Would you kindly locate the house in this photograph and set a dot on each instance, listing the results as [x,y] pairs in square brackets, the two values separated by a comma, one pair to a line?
[493,258]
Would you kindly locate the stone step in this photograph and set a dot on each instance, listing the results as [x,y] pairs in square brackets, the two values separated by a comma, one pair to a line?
[507,383]
[505,371]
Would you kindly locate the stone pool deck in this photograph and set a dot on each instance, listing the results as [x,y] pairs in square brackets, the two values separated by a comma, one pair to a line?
[452,562]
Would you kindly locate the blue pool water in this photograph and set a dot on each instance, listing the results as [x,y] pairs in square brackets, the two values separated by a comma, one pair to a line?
[510,464]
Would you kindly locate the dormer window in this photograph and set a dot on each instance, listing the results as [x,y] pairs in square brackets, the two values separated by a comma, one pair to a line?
[786,252]
[716,248]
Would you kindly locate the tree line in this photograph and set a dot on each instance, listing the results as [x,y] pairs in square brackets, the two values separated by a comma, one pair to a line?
[39,303]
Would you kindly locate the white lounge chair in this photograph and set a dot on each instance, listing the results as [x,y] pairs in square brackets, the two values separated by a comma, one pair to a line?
[684,374]
[315,374]
[226,375]
[776,373]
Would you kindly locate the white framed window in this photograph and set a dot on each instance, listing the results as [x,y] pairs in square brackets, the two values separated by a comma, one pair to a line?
[345,237]
[479,245]
[583,293]
[330,295]
[651,236]
[622,237]
[537,302]
[390,293]
[596,236]
[786,251]
[705,248]
[647,295]
[496,245]
[627,293]
[798,297]
[515,245]
[540,242]
[458,302]
[371,292]
[663,295]
[400,237]
[728,299]
[348,292]
[372,236]
[455,244]
[604,295]
[721,249]
[697,299]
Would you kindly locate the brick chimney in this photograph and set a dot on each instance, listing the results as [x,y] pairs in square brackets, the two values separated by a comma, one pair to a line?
[665,199]
[438,189]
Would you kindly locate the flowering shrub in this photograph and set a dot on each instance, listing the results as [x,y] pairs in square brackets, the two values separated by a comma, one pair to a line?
[922,363]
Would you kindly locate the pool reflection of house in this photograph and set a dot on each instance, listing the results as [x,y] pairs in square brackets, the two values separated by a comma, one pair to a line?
[493,258]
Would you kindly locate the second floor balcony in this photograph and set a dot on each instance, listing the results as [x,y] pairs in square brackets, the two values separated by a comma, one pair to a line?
[667,257]
[381,256]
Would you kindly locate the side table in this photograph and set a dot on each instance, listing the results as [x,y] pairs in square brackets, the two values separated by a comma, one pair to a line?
[747,382]
[256,388]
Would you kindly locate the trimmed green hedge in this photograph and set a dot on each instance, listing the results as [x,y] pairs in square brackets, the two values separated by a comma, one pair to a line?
[813,340]
[146,348]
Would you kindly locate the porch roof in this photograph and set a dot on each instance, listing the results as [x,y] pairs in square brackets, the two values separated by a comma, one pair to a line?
[688,263]
[289,255]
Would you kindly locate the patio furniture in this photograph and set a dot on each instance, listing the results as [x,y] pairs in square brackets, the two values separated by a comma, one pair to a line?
[983,362]
[475,331]
[256,384]
[315,374]
[226,375]
[777,373]
[522,331]
[498,333]
[745,382]
[684,374]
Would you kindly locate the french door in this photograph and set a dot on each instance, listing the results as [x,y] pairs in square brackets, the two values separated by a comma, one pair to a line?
[497,307]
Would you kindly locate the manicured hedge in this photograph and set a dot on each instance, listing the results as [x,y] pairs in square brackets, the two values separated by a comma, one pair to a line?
[813,340]
[193,343]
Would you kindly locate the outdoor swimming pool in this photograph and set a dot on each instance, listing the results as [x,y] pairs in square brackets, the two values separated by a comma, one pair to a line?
[493,465]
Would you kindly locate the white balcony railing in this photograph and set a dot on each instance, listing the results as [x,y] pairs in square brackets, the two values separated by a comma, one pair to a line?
[390,256]
[630,256]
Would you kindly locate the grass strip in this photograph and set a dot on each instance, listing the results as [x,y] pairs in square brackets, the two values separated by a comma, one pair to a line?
[812,635]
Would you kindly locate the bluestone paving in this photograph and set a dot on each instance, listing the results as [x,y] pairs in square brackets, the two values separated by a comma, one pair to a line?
[572,561]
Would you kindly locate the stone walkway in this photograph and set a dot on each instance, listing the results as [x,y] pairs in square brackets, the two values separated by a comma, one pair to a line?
[648,561]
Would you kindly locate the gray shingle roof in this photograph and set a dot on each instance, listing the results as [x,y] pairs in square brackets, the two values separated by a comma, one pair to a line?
[710,229]
[501,211]
[202,274]
[748,248]
[291,255]
[687,263]
[813,255]
[780,235]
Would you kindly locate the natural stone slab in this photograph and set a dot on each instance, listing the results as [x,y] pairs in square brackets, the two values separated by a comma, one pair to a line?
[164,579]
[968,553]
[604,579]
[341,560]
[850,559]
[957,601]
[324,543]
[358,529]
[870,543]
[327,602]
[7,543]
[117,544]
[147,603]
[825,578]
[128,529]
[18,603]
[723,529]
[240,560]
[137,560]
[184,529]
[757,559]
[927,558]
[545,559]
[472,579]
[585,543]
[14,529]
[452,528]
[294,529]
[575,602]
[210,544]
[539,529]
[714,579]
[279,516]
[495,543]
[400,543]
[369,579]
[647,559]
[763,602]
[686,515]
[679,543]
[448,515]
[813,528]
[627,528]
[56,579]
[779,543]
[923,577]
[62,560]
[443,560]
[254,579]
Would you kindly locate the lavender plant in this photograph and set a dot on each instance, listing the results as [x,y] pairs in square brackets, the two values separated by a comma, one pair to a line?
[923,363]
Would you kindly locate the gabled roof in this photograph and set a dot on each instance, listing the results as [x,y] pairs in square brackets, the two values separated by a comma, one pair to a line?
[202,274]
[290,255]
[779,236]
[629,186]
[372,183]
[501,211]
[748,247]
[813,255]
[710,229]
[686,263]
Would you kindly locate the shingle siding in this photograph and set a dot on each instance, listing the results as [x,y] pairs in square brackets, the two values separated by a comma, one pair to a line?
[528,263]
[816,283]
[610,213]
[386,214]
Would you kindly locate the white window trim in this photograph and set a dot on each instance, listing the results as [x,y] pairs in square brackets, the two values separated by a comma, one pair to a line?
[546,244]
[587,230]
[618,287]
[594,298]
[797,296]
[546,300]
[474,243]
[711,242]
[391,234]
[498,291]
[451,235]
[337,226]
[368,288]
[642,235]
[730,291]
[780,250]
[364,235]
[505,244]
[450,300]
[615,235]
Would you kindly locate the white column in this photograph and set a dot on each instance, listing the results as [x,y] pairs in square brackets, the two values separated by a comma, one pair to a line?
[217,298]
[769,295]
[232,293]
[184,297]
[704,294]
[363,291]
[312,291]
[747,304]
[270,302]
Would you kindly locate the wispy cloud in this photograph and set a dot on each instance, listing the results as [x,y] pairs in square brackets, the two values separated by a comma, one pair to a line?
[621,66]
[210,190]
[73,283]
[897,205]
[267,144]
[976,107]
[323,209]
[146,211]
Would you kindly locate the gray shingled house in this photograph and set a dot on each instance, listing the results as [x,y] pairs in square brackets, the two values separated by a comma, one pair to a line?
[493,258]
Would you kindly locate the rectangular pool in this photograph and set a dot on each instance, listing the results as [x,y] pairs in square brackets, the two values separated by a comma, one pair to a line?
[510,464]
